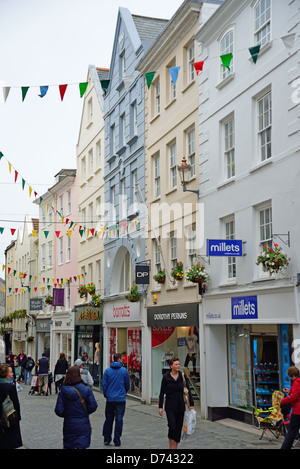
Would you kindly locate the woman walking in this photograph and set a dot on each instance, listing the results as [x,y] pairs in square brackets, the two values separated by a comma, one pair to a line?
[172,387]
[75,402]
[60,371]
[10,438]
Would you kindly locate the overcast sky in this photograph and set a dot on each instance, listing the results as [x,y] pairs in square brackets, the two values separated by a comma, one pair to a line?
[49,42]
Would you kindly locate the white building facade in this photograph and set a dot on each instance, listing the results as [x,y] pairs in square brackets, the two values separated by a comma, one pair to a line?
[248,179]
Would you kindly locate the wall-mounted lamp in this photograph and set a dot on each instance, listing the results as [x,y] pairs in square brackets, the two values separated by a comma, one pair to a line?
[185,171]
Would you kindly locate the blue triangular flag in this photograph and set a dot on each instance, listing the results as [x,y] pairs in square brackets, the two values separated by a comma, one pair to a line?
[174,73]
[44,90]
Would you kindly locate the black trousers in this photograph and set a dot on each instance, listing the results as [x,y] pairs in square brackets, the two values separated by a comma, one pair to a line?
[175,424]
[292,433]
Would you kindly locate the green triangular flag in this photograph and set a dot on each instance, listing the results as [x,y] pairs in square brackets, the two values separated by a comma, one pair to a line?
[149,78]
[226,59]
[29,289]
[254,51]
[104,84]
[46,233]
[24,91]
[81,232]
[23,183]
[82,88]
[1,229]
[1,154]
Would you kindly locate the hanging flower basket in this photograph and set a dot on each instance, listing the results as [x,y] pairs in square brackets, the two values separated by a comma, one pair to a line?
[48,300]
[160,277]
[197,274]
[30,338]
[95,301]
[82,290]
[133,296]
[274,260]
[177,271]
[91,288]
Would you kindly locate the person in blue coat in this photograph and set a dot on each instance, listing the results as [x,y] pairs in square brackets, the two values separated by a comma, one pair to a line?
[75,402]
[115,384]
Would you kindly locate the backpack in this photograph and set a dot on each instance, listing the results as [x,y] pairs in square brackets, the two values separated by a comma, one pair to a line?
[9,416]
[29,364]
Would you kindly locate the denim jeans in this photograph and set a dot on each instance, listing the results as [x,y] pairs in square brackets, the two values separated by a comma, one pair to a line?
[113,411]
[27,374]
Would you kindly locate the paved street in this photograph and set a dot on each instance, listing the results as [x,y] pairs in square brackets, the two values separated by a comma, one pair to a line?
[143,428]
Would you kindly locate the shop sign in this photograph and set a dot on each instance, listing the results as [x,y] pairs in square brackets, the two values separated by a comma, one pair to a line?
[122,311]
[36,304]
[58,296]
[142,274]
[224,247]
[244,307]
[176,315]
[89,314]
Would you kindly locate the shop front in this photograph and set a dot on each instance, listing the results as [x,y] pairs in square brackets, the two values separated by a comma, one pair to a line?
[174,334]
[89,339]
[124,335]
[62,337]
[248,348]
[43,326]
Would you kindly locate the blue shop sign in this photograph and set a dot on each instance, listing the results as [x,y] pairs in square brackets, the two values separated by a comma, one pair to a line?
[244,307]
[224,247]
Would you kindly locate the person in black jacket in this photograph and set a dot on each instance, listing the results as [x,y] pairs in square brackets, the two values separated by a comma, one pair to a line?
[9,438]
[172,387]
[60,371]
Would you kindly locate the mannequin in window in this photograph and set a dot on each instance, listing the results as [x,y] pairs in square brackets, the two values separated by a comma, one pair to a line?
[191,344]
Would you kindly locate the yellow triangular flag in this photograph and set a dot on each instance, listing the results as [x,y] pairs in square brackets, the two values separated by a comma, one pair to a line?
[30,190]
[42,288]
[22,289]
[34,232]
[9,166]
[69,232]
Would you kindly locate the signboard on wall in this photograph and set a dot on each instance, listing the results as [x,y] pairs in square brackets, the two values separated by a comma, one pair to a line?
[58,296]
[244,307]
[175,315]
[142,274]
[36,304]
[224,247]
[122,311]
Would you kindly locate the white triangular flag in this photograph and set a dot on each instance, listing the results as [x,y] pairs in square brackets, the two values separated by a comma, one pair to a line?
[6,90]
[289,40]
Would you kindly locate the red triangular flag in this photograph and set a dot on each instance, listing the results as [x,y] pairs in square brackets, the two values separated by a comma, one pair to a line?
[35,288]
[92,230]
[16,175]
[57,233]
[198,66]
[62,90]
[12,231]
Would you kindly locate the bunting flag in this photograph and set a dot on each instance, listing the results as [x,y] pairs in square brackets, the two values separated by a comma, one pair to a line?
[6,90]
[226,59]
[44,90]
[254,51]
[289,40]
[174,73]
[149,78]
[24,92]
[62,90]
[82,88]
[198,66]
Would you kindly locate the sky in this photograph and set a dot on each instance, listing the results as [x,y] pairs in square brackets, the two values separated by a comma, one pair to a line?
[49,42]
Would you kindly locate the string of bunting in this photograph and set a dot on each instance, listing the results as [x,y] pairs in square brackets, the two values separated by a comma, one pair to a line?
[44,90]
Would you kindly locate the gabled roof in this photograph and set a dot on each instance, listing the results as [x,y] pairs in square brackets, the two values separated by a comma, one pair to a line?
[148,28]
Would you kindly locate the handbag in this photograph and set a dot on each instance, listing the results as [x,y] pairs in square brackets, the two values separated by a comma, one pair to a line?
[186,396]
[82,402]
[9,415]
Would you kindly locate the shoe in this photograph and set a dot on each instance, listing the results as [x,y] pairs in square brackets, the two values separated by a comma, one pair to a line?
[117,443]
[106,443]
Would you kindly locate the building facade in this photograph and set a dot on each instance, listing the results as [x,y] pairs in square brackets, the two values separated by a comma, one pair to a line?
[248,173]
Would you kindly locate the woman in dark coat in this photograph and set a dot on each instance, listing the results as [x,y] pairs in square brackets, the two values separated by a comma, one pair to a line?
[60,371]
[172,386]
[76,428]
[9,438]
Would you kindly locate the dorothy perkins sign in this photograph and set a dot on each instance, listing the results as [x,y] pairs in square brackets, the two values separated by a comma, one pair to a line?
[224,247]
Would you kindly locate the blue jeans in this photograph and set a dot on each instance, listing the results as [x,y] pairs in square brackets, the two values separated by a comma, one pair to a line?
[27,373]
[113,411]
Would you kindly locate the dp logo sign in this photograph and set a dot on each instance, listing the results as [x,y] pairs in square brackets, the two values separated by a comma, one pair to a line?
[142,274]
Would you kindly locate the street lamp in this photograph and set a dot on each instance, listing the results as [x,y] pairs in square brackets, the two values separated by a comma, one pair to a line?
[185,171]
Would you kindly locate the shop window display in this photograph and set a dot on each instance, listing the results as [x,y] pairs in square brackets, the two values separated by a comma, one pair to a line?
[88,349]
[168,342]
[128,343]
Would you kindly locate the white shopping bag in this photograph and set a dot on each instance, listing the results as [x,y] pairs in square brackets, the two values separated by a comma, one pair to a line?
[190,423]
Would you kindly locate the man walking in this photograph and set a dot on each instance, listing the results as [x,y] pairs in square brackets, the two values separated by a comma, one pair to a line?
[43,365]
[115,384]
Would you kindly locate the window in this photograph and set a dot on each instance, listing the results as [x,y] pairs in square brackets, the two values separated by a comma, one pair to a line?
[98,270]
[68,194]
[156,171]
[84,218]
[226,47]
[90,273]
[126,274]
[262,22]
[122,66]
[190,150]
[123,201]
[90,110]
[265,126]
[60,250]
[68,251]
[156,88]
[61,204]
[91,161]
[98,153]
[231,261]
[43,257]
[113,215]
[122,135]
[229,159]
[172,166]
[50,254]
[91,215]
[171,84]
[157,259]
[98,212]
[173,249]
[265,226]
[43,221]
[113,139]
[191,244]
[135,189]
[190,63]
[83,169]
